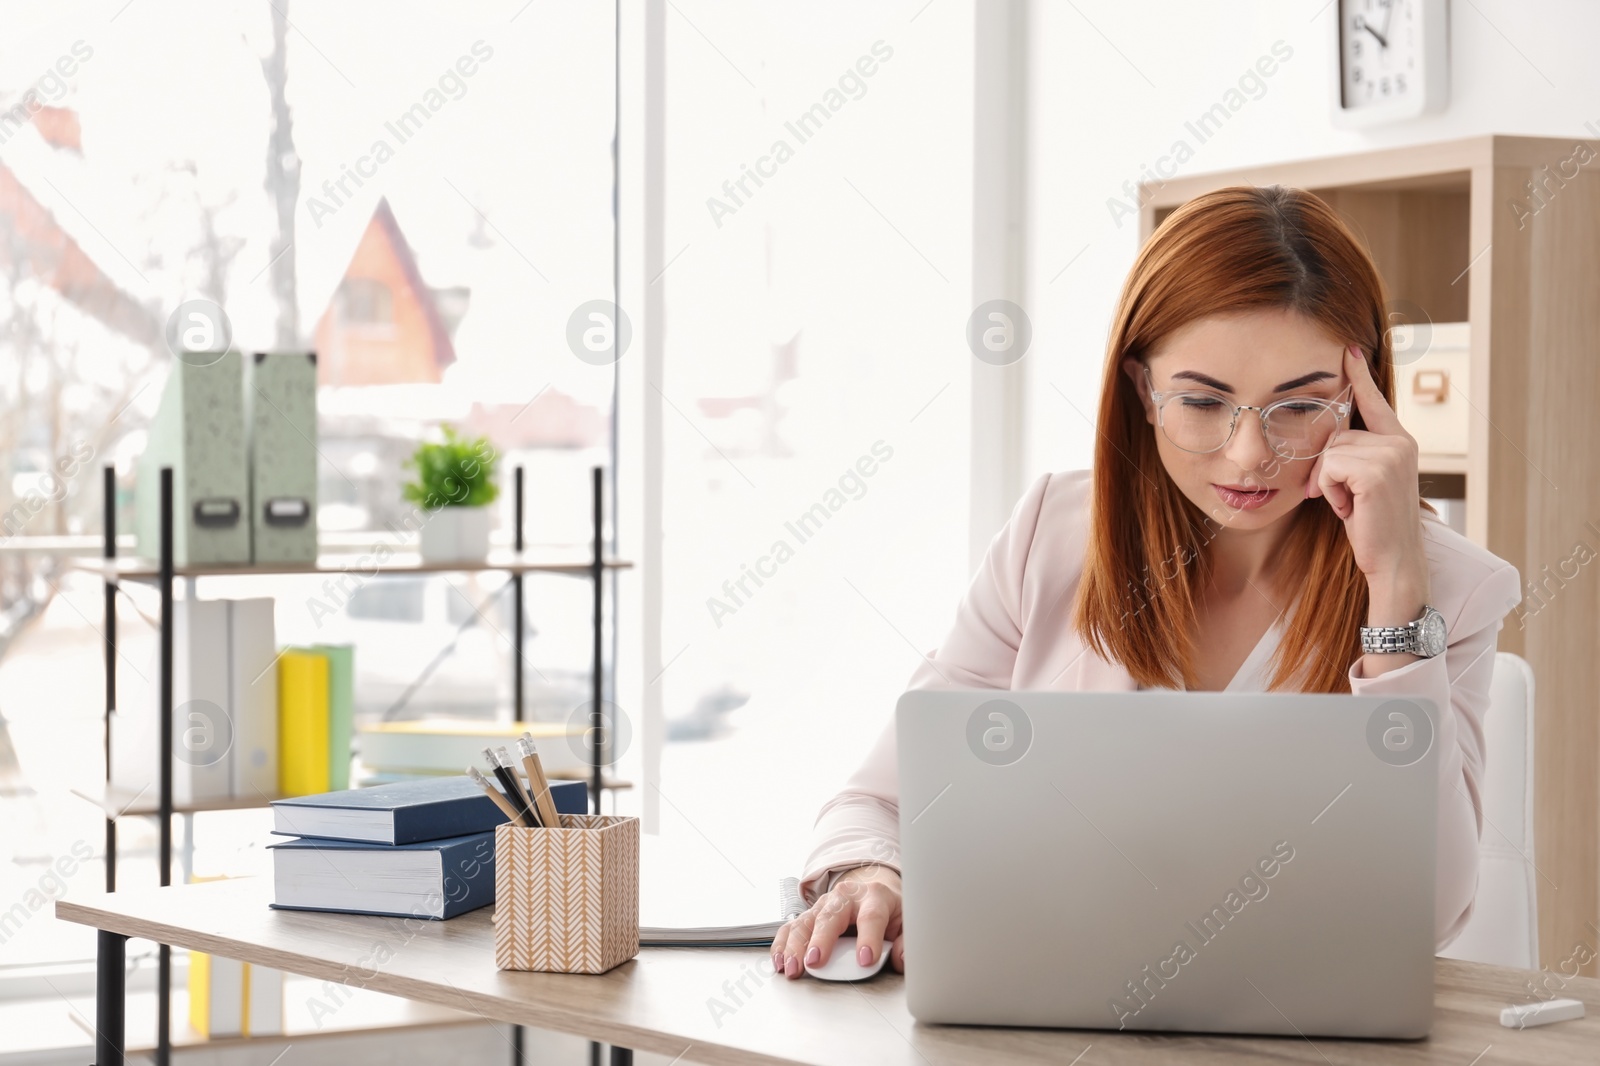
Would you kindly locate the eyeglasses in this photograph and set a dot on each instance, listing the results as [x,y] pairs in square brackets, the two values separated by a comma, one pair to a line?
[1295,428]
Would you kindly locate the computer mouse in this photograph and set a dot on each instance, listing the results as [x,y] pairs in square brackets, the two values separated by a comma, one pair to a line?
[842,964]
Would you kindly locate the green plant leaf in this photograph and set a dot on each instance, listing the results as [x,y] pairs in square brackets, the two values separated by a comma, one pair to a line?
[456,472]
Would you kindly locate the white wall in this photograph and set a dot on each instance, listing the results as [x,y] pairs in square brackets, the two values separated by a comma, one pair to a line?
[1517,68]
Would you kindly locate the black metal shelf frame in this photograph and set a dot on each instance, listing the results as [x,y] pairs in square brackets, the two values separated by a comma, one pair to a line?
[110,984]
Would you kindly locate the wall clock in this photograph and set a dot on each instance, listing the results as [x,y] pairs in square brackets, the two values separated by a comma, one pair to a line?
[1393,62]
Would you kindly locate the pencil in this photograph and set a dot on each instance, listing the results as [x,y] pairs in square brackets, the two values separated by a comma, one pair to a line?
[503,757]
[508,781]
[536,778]
[537,781]
[494,794]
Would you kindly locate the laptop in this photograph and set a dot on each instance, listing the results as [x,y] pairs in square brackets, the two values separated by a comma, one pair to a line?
[1168,861]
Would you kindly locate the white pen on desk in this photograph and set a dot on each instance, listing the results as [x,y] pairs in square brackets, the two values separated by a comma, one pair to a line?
[1526,1015]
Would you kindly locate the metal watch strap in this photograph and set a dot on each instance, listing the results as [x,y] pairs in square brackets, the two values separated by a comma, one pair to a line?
[1390,639]
[1425,637]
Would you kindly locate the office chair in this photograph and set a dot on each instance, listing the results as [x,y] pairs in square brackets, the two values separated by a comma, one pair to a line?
[1504,927]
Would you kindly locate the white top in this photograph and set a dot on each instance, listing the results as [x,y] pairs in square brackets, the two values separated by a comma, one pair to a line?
[1253,675]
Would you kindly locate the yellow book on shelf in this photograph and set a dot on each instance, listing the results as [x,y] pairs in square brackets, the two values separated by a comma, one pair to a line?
[302,723]
[200,992]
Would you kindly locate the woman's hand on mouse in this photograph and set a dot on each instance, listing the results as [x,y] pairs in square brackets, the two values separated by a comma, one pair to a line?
[867,897]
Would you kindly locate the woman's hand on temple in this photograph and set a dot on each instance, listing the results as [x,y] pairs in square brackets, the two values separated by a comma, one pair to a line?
[867,897]
[1370,480]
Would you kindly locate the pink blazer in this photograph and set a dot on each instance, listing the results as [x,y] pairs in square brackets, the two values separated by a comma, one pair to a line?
[1012,631]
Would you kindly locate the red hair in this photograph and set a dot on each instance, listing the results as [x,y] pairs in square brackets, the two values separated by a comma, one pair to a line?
[1237,249]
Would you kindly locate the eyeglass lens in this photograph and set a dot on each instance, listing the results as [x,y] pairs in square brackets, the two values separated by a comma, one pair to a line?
[1296,429]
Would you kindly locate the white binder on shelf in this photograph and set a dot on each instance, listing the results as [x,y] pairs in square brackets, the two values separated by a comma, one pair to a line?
[253,691]
[202,725]
[216,995]
[264,1002]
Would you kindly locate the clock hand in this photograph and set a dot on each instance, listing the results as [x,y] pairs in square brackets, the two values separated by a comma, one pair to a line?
[1368,27]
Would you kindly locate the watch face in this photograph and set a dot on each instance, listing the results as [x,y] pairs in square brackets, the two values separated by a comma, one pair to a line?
[1433,633]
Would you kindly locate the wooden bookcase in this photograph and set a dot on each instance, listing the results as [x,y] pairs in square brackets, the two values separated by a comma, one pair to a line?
[1504,233]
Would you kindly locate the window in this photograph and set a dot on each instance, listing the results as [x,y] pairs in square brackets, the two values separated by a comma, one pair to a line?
[815,402]
[487,212]
[366,301]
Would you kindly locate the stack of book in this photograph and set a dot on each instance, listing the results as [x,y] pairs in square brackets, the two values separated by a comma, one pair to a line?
[421,849]
[391,751]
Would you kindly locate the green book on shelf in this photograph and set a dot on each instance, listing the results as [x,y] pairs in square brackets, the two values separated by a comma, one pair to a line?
[341,710]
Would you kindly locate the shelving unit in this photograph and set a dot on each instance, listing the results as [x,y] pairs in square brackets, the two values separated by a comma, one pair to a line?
[1503,233]
[364,1011]
[115,804]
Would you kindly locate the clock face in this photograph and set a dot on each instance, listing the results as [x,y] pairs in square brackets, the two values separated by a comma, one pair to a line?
[1380,52]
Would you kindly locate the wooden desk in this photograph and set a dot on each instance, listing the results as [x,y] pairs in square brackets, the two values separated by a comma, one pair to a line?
[688,1003]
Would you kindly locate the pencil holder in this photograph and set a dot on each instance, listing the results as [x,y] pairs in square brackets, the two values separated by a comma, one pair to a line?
[567,899]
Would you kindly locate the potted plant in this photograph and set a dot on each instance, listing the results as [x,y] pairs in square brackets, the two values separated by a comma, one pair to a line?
[454,485]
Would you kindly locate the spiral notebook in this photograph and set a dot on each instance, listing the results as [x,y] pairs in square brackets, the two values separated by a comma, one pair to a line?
[686,930]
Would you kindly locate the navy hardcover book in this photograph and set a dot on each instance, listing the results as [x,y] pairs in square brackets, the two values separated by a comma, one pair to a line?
[432,879]
[405,812]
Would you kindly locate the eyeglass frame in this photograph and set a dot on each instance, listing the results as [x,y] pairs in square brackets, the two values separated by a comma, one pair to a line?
[1340,408]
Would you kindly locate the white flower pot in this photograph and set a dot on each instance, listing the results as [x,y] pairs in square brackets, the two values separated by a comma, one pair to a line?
[455,535]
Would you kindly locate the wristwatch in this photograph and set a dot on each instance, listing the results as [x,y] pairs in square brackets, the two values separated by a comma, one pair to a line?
[1425,637]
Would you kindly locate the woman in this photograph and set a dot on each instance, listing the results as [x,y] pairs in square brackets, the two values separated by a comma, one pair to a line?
[1253,504]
